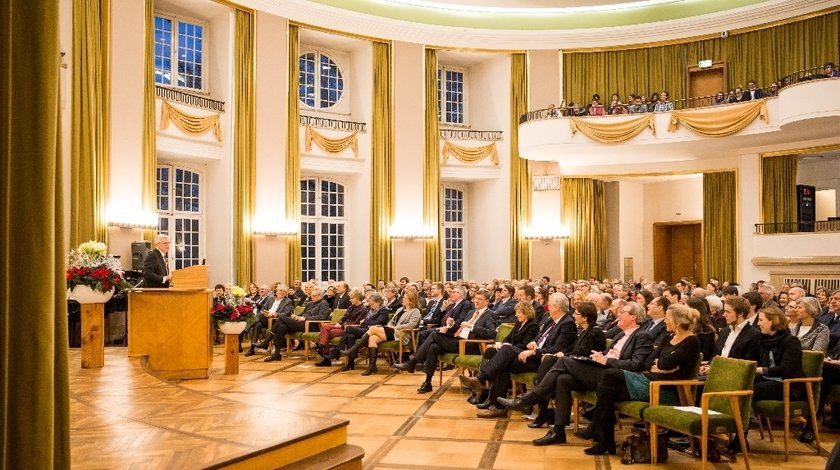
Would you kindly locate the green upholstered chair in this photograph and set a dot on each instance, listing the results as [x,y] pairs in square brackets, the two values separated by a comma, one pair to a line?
[312,337]
[785,409]
[464,361]
[724,407]
[397,346]
[527,378]
[635,409]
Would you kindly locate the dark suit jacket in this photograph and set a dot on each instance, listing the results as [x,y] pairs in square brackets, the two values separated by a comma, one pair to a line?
[342,301]
[433,312]
[376,317]
[154,269]
[745,346]
[539,311]
[460,313]
[522,334]
[590,339]
[394,305]
[505,311]
[634,353]
[319,310]
[285,308]
[827,319]
[485,327]
[562,336]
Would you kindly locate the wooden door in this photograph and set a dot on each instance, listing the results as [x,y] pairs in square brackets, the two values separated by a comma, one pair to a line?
[677,251]
[704,83]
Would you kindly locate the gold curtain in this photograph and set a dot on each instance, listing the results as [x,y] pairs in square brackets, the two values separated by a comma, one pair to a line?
[778,191]
[331,145]
[783,49]
[193,125]
[293,267]
[471,154]
[719,121]
[244,164]
[149,149]
[382,163]
[431,172]
[520,172]
[34,389]
[613,132]
[90,123]
[584,210]
[720,229]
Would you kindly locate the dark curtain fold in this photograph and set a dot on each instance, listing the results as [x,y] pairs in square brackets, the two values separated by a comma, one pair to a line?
[34,389]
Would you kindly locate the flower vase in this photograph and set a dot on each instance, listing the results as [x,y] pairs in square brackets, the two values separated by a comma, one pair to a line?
[232,327]
[85,295]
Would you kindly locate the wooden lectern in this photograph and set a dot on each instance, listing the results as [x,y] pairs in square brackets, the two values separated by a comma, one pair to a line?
[172,326]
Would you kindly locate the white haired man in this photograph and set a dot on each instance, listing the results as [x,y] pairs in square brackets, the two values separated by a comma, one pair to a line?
[155,267]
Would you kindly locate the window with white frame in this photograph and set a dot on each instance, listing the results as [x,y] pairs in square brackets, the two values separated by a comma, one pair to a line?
[452,93]
[322,229]
[454,231]
[320,81]
[181,213]
[179,52]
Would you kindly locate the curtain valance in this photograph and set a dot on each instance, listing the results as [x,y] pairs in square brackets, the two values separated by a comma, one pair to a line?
[193,125]
[608,132]
[331,145]
[471,154]
[719,121]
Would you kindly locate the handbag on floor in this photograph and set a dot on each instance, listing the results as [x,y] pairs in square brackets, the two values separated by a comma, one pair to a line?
[636,448]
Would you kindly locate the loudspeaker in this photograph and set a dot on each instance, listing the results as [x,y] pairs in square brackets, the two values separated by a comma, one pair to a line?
[806,207]
[139,250]
[724,34]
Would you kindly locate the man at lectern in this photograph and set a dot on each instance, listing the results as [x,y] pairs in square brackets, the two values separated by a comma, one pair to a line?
[155,268]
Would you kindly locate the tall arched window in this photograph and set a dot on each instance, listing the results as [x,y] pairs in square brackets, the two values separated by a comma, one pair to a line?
[322,229]
[181,213]
[453,232]
[320,82]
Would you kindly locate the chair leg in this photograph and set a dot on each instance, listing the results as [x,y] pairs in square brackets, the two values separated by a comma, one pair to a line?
[653,444]
[514,388]
[704,443]
[440,375]
[739,427]
[787,430]
[814,423]
[769,428]
[576,407]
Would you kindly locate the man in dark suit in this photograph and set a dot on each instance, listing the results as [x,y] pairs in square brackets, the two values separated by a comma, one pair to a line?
[443,337]
[433,306]
[557,333]
[504,308]
[316,309]
[526,293]
[753,92]
[831,319]
[393,301]
[155,268]
[655,326]
[629,351]
[738,339]
[342,295]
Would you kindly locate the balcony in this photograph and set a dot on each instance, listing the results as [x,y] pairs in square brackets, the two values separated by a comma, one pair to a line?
[807,110]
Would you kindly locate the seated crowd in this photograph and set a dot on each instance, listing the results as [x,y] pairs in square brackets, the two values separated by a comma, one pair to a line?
[604,336]
[659,100]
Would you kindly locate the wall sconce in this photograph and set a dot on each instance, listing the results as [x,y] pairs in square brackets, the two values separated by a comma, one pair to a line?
[274,229]
[546,234]
[145,221]
[405,232]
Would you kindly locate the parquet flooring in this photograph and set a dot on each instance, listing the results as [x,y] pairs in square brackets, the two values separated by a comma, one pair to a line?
[122,417]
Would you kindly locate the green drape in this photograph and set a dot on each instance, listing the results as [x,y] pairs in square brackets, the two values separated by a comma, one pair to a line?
[382,164]
[244,163]
[720,229]
[149,172]
[584,210]
[520,172]
[783,49]
[293,267]
[90,122]
[778,190]
[34,389]
[431,174]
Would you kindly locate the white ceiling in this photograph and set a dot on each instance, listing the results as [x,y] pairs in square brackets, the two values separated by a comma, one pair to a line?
[512,4]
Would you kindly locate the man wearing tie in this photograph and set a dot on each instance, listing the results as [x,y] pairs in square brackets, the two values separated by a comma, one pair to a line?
[155,267]
[831,319]
[434,312]
[445,338]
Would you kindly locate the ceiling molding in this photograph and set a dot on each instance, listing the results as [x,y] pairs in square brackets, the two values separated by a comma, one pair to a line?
[382,28]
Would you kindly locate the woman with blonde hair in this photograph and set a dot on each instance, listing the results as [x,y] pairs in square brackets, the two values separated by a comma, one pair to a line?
[408,318]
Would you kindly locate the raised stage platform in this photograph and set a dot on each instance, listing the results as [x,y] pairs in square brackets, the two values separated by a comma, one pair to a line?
[124,417]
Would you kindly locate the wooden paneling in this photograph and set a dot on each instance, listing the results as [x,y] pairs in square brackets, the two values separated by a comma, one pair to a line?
[705,82]
[677,251]
[172,328]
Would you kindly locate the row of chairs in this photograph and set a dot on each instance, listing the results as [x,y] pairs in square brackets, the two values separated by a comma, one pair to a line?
[724,404]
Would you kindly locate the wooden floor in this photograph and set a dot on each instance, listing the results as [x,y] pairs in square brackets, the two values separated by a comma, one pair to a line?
[122,418]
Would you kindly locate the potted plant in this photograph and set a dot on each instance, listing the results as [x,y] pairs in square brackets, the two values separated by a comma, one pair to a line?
[92,274]
[234,314]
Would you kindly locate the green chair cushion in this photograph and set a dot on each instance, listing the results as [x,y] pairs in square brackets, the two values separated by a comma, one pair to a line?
[471,361]
[527,378]
[634,409]
[295,335]
[777,408]
[688,422]
[311,337]
[448,358]
[586,397]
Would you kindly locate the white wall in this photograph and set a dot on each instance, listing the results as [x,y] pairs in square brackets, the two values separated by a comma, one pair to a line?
[488,220]
[822,173]
[631,241]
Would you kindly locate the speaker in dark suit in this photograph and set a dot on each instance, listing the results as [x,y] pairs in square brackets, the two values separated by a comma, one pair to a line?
[155,269]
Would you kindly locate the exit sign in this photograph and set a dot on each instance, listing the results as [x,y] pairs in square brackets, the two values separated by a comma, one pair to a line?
[705,63]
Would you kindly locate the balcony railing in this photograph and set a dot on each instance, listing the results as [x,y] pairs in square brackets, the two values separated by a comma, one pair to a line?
[189,99]
[813,73]
[830,225]
[334,124]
